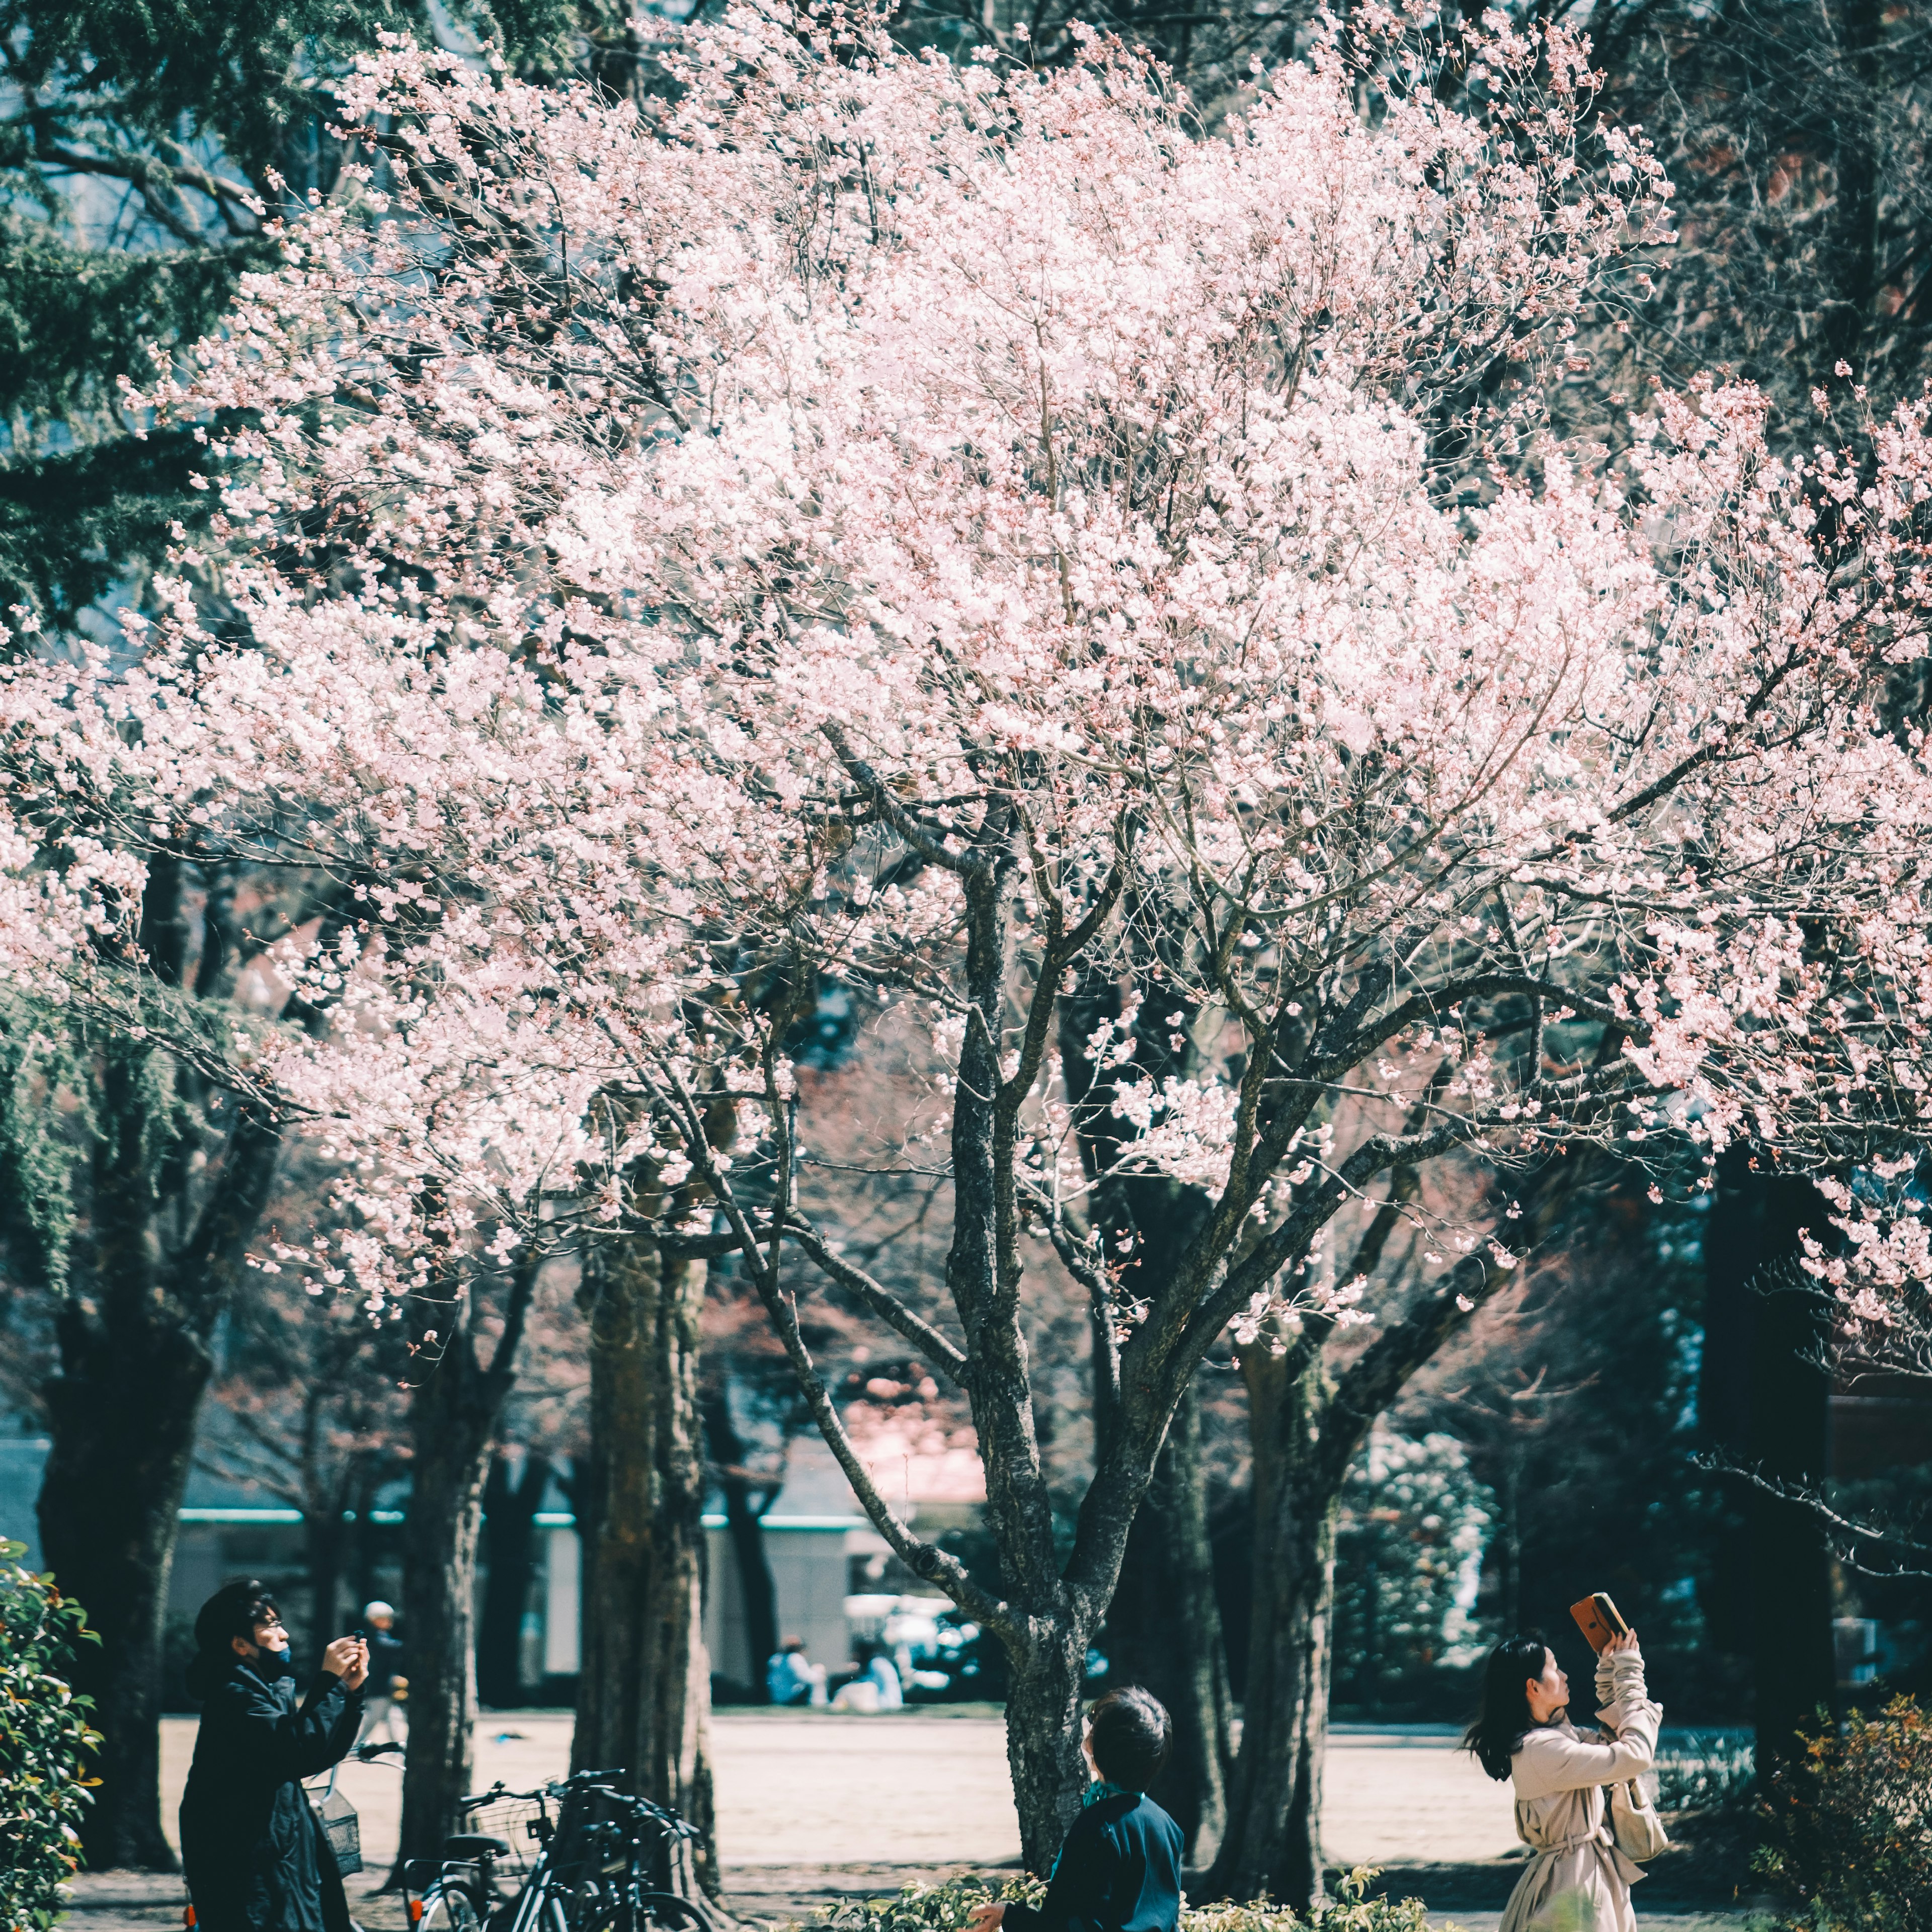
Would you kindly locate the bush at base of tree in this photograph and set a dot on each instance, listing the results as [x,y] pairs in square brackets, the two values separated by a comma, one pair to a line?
[947,1908]
[44,1731]
[1848,1827]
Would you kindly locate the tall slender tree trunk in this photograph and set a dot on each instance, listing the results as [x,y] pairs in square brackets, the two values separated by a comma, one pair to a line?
[325,1541]
[509,1545]
[1163,1632]
[643,1702]
[1273,1842]
[454,1411]
[746,1499]
[1765,1401]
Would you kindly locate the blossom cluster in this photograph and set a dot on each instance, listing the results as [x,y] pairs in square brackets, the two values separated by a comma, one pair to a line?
[957,529]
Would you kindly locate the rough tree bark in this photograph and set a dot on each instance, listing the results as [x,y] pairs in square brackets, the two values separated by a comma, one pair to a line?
[1164,1632]
[747,1496]
[1272,1842]
[161,1256]
[643,1699]
[509,1541]
[1164,1624]
[454,1407]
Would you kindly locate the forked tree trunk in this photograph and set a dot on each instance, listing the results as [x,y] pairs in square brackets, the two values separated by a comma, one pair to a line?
[1273,1843]
[1164,1632]
[454,1411]
[643,1700]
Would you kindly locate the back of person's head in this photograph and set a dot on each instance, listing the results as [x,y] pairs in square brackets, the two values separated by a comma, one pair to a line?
[1130,1732]
[793,1644]
[1505,1715]
[234,1610]
[378,1611]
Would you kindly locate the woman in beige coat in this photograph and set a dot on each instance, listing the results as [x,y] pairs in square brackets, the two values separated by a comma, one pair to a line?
[1577,1880]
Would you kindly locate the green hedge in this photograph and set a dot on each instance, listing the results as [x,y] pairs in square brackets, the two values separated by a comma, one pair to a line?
[1848,1827]
[945,1908]
[43,1734]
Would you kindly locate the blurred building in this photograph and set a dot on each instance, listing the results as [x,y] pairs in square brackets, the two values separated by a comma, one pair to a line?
[834,1578]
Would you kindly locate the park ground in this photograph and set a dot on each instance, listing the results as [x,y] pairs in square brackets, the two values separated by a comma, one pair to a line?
[812,1807]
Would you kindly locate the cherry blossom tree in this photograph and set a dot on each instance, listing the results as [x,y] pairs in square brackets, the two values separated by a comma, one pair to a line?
[969,533]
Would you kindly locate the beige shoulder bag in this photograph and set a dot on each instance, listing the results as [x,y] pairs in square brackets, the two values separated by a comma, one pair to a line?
[1635,1827]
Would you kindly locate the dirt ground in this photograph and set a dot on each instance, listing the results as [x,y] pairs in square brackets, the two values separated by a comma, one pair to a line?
[812,1806]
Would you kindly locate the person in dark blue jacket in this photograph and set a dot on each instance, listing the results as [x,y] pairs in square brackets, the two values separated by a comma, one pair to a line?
[1120,1869]
[254,1851]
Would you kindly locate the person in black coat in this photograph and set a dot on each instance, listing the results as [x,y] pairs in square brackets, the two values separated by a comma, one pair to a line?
[1120,1869]
[254,1851]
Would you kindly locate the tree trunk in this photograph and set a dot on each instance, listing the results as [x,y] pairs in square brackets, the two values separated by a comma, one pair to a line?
[1043,1727]
[325,1540]
[122,1416]
[1163,1632]
[453,1411]
[746,1498]
[643,1698]
[1273,1842]
[1765,1401]
[134,1364]
[509,1531]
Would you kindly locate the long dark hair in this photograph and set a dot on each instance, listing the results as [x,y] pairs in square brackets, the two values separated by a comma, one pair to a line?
[233,1611]
[1492,1739]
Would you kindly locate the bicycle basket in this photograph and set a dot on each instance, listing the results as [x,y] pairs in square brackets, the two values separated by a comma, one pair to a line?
[513,1820]
[342,1829]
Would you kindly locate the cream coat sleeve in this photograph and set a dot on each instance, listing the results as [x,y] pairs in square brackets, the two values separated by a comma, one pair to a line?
[1551,1760]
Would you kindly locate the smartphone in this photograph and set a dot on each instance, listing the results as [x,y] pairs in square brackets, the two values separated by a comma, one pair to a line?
[1599,1620]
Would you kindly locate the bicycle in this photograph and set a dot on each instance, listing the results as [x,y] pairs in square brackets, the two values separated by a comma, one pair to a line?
[606,1863]
[459,1892]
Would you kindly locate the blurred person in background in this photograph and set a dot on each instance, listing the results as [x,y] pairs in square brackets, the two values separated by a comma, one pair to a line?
[790,1679]
[387,1686]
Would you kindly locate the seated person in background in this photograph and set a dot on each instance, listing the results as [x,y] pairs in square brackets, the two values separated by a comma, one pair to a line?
[880,1669]
[789,1679]
[1120,1869]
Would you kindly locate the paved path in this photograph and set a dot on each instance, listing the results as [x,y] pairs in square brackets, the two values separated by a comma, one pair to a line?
[812,1806]
[801,1788]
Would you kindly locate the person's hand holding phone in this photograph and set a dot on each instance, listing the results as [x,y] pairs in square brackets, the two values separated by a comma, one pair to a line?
[348,1658]
[1617,1644]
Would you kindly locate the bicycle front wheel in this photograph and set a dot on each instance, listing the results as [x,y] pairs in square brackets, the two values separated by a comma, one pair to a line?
[447,1908]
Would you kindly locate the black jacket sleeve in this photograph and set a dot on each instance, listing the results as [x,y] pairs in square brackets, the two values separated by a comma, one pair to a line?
[1077,1894]
[275,1744]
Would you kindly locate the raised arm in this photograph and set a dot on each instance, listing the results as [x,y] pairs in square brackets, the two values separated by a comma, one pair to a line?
[277,1743]
[1552,1760]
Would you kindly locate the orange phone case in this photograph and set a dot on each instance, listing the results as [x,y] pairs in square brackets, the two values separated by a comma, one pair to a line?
[1597,1617]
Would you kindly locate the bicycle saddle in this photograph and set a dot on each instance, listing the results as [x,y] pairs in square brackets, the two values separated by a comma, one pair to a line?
[475,1845]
